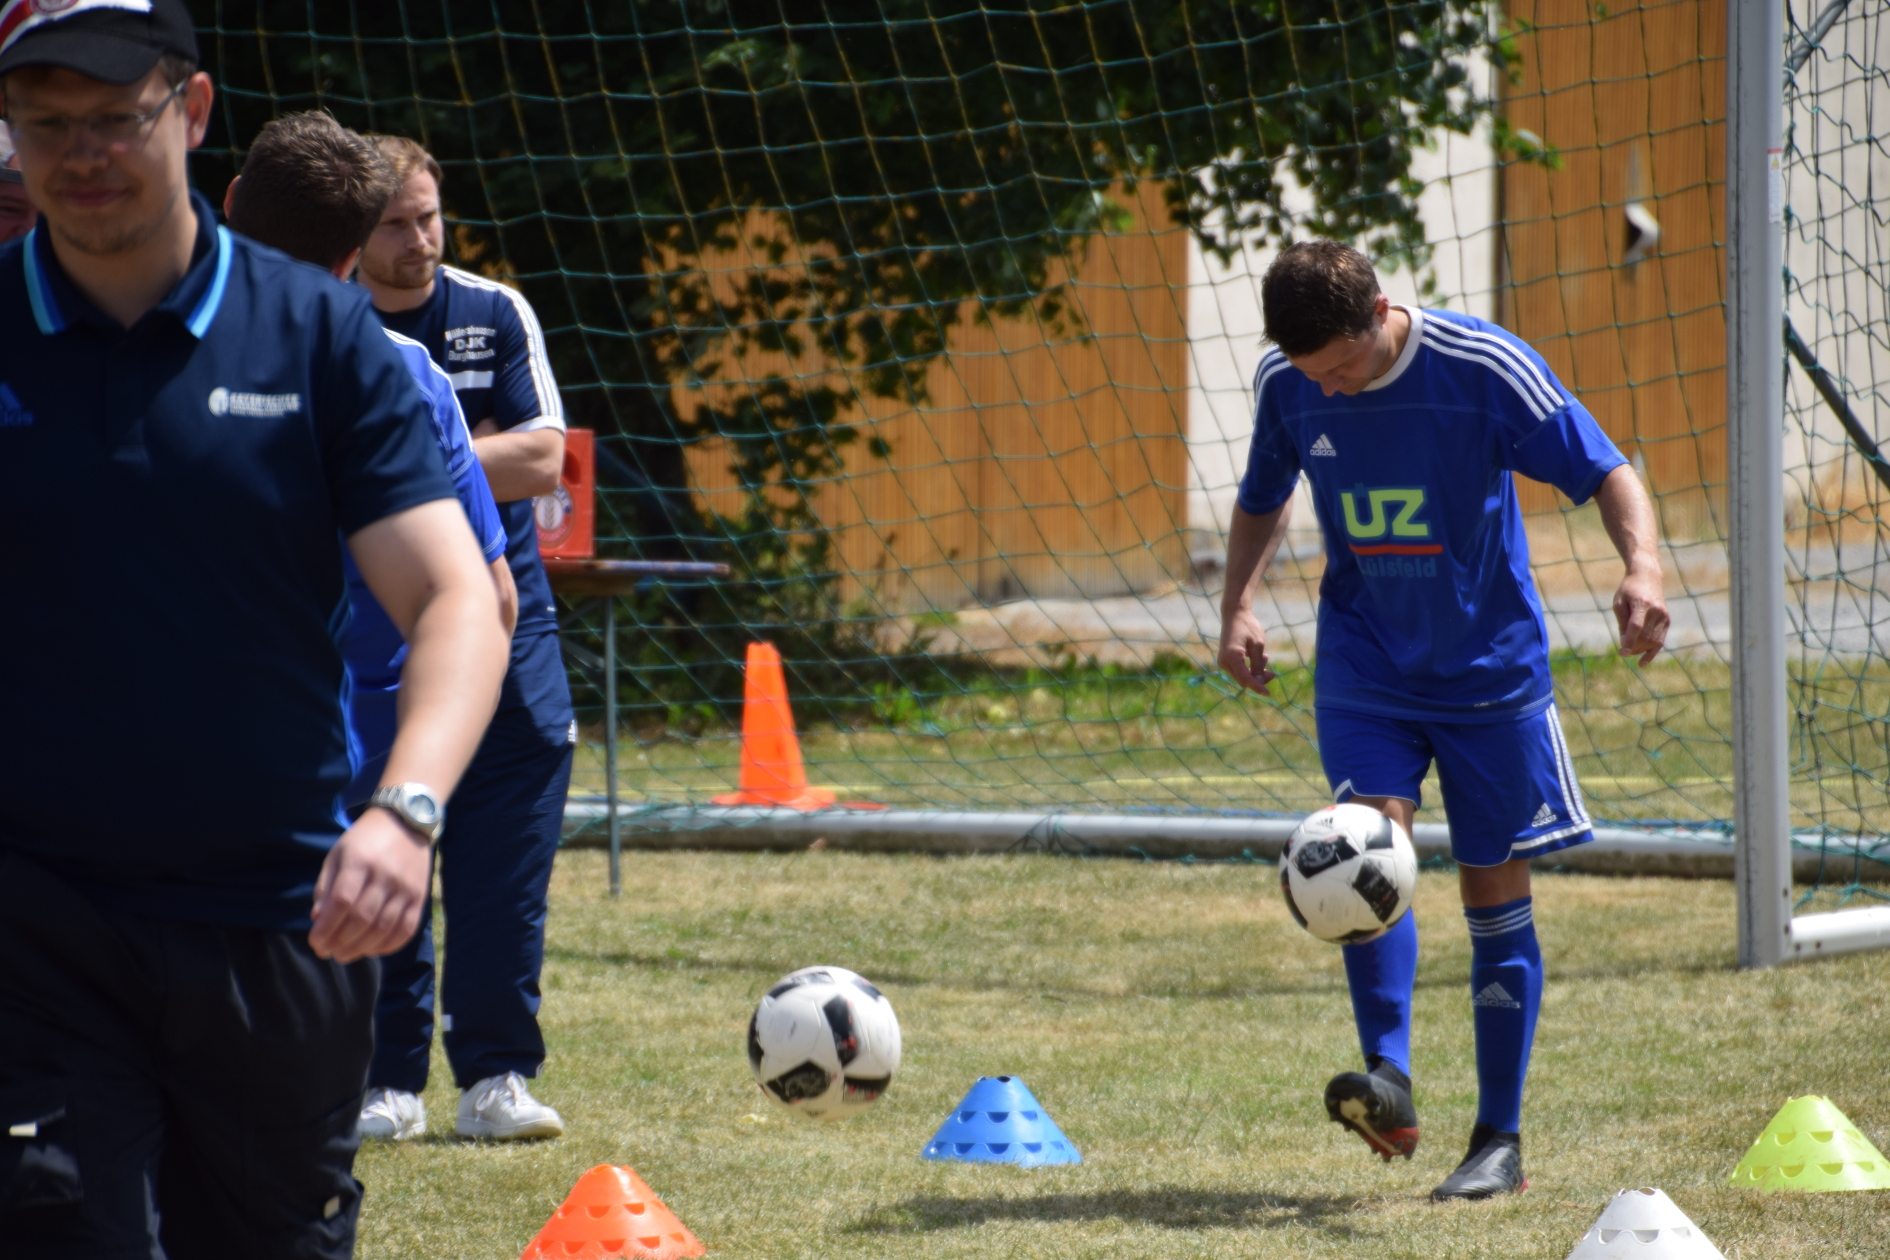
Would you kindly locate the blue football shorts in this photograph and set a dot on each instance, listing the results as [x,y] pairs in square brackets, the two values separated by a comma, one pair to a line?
[1509,787]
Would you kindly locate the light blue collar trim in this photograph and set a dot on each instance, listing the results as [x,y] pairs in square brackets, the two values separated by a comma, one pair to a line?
[45,309]
[206,312]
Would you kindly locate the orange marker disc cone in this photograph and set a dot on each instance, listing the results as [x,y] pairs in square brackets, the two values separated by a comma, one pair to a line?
[772,773]
[610,1213]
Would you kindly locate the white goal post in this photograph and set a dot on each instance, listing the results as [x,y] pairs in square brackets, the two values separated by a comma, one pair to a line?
[1769,933]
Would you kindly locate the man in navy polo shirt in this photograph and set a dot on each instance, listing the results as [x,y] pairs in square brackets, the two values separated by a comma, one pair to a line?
[190,427]
[496,856]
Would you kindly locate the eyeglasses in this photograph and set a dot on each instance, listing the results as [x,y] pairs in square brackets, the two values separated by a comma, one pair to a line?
[52,133]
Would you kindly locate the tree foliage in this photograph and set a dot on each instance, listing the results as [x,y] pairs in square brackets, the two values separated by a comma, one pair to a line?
[899,165]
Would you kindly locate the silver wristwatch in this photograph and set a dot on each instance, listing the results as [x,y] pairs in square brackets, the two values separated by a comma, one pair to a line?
[415,805]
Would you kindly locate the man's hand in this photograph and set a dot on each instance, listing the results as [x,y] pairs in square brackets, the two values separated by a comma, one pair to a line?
[1244,651]
[1640,604]
[1251,542]
[1640,610]
[368,898]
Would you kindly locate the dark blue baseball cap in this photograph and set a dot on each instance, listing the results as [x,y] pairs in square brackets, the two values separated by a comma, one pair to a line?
[113,41]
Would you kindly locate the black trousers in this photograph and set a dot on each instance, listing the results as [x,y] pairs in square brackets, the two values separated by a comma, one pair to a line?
[172,1089]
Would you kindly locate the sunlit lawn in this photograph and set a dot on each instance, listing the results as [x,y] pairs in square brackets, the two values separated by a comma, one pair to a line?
[1179,1028]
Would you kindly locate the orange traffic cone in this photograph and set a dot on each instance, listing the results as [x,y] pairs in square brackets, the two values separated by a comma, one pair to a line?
[609,1213]
[772,773]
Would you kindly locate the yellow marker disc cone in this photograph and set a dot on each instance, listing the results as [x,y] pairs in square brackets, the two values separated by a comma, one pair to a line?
[1810,1145]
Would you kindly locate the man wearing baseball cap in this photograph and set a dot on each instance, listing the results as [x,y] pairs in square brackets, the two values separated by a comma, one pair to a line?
[191,427]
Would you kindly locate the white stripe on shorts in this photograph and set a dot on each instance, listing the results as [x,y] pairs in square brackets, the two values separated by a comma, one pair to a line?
[1522,848]
[1565,771]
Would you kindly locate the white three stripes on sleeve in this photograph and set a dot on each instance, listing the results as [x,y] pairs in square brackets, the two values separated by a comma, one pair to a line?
[1270,363]
[1530,382]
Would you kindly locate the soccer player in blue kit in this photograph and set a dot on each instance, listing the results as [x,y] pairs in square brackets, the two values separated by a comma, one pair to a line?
[1409,426]
[496,855]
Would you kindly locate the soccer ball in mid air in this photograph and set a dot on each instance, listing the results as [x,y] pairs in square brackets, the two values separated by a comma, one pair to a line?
[824,1043]
[1348,874]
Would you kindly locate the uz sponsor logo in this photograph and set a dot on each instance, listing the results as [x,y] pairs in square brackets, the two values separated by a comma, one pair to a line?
[1385,529]
[1377,507]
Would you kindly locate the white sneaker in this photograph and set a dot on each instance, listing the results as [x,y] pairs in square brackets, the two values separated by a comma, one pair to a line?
[501,1107]
[392,1114]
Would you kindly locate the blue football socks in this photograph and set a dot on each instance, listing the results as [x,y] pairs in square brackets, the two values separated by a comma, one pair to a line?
[1506,993]
[1381,973]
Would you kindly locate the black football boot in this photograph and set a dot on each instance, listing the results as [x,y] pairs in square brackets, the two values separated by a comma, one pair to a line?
[1376,1105]
[1493,1167]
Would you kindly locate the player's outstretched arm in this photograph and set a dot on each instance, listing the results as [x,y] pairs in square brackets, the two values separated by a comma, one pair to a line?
[1251,542]
[425,569]
[1640,603]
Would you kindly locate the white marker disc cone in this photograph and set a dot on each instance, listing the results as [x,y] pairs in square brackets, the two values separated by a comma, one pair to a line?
[1644,1224]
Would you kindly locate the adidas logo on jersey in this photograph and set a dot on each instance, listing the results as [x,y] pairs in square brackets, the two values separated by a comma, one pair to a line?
[1324,446]
[1494,994]
[1544,816]
[13,412]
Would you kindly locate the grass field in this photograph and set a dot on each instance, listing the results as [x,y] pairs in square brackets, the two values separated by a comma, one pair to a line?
[1179,1028]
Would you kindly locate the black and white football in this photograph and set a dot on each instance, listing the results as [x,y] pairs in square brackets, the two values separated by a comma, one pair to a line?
[1348,873]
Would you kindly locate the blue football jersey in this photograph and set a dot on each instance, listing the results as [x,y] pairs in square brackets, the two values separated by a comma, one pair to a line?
[484,335]
[1427,609]
[371,645]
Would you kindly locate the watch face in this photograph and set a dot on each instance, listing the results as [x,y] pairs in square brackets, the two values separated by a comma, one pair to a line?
[425,810]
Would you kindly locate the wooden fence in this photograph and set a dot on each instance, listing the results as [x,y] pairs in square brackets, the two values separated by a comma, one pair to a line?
[1039,466]
[1633,99]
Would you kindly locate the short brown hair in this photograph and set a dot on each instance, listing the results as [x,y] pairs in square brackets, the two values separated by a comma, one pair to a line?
[176,68]
[312,188]
[1316,291]
[407,156]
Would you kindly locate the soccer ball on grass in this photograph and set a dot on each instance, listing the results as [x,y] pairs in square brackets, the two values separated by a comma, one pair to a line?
[1348,874]
[824,1043]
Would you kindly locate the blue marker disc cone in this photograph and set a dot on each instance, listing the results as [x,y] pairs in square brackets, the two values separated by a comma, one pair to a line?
[1001,1123]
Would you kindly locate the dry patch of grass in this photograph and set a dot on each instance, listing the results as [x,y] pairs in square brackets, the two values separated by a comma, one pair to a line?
[1179,1028]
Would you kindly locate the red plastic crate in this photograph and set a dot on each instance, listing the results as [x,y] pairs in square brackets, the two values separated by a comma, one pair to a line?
[566,517]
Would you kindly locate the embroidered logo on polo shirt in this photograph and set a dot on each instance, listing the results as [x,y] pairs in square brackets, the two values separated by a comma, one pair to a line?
[13,413]
[225,403]
[469,343]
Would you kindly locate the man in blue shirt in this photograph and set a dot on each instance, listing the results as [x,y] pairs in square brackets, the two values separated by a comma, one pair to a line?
[1409,427]
[315,190]
[188,930]
[496,857]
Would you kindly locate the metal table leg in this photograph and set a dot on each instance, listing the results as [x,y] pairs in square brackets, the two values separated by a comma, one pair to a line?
[610,746]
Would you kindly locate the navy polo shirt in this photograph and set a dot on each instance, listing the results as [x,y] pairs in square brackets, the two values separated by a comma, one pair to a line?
[172,500]
[485,337]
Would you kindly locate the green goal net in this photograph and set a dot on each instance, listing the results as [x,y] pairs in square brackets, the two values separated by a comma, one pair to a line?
[935,322]
[1837,310]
